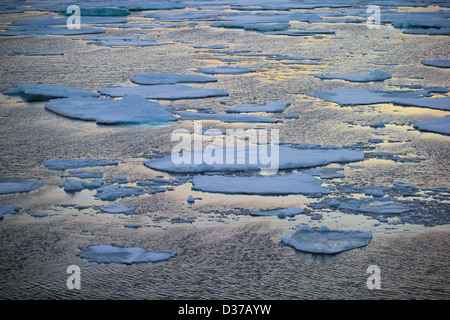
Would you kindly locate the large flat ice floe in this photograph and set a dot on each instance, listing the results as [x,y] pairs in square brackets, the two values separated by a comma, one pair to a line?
[324,240]
[226,70]
[44,92]
[64,164]
[440,63]
[167,78]
[4,210]
[375,206]
[280,213]
[439,125]
[129,110]
[113,254]
[188,115]
[270,107]
[16,185]
[163,92]
[297,183]
[376,75]
[289,158]
[352,97]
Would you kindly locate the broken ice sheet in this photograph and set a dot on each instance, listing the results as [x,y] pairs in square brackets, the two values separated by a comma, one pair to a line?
[376,75]
[44,92]
[166,78]
[113,254]
[270,107]
[163,92]
[129,110]
[324,240]
[297,183]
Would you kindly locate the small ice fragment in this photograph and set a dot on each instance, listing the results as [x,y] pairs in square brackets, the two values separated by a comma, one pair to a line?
[334,202]
[73,186]
[316,217]
[118,209]
[77,163]
[405,218]
[376,75]
[226,70]
[289,212]
[132,225]
[270,107]
[38,215]
[4,210]
[190,199]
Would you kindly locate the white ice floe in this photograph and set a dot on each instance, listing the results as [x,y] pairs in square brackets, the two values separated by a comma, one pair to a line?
[86,174]
[43,92]
[376,75]
[16,185]
[167,78]
[324,240]
[270,106]
[326,173]
[429,31]
[113,254]
[77,185]
[118,209]
[299,33]
[132,225]
[4,210]
[188,115]
[439,125]
[375,206]
[130,109]
[351,97]
[281,213]
[289,158]
[114,192]
[19,53]
[226,70]
[129,43]
[38,215]
[39,30]
[440,63]
[297,183]
[190,199]
[163,92]
[64,164]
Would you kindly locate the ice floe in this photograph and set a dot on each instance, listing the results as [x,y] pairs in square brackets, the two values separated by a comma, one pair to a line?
[270,107]
[77,185]
[281,213]
[225,70]
[376,75]
[51,21]
[440,63]
[326,173]
[4,210]
[128,110]
[64,164]
[375,206]
[113,254]
[40,30]
[297,183]
[114,192]
[188,115]
[16,185]
[166,78]
[289,158]
[351,97]
[44,92]
[19,53]
[163,92]
[119,209]
[324,240]
[439,125]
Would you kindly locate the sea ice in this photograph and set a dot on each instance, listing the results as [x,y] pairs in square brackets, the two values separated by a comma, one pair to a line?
[132,225]
[326,173]
[439,125]
[163,92]
[129,43]
[129,109]
[188,115]
[375,206]
[44,92]
[77,185]
[118,209]
[281,213]
[226,70]
[190,199]
[50,21]
[64,164]
[38,215]
[324,240]
[440,63]
[86,174]
[351,97]
[289,158]
[15,185]
[114,192]
[166,78]
[297,183]
[113,254]
[19,53]
[270,106]
[39,30]
[4,210]
[376,75]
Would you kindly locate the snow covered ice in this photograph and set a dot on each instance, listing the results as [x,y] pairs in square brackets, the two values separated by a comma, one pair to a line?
[325,241]
[188,115]
[113,254]
[225,70]
[281,213]
[43,92]
[165,78]
[376,75]
[129,110]
[439,125]
[64,164]
[270,107]
[15,185]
